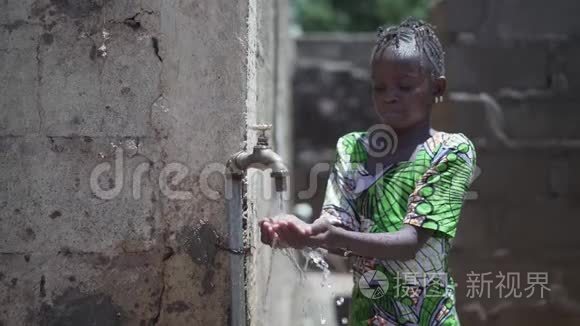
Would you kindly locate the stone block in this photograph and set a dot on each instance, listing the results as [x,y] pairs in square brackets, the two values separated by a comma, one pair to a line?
[473,68]
[73,288]
[97,84]
[525,19]
[464,16]
[48,203]
[20,110]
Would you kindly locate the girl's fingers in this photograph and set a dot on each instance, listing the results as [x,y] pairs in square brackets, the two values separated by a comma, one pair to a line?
[318,228]
[281,229]
[278,242]
[265,223]
[295,228]
[266,233]
[282,232]
[276,227]
[293,235]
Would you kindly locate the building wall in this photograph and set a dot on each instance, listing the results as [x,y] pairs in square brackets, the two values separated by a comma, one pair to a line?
[144,91]
[521,54]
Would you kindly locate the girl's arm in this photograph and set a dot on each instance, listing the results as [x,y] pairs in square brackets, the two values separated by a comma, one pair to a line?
[325,233]
[399,245]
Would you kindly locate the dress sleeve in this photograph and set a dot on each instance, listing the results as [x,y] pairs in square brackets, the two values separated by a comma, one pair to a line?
[437,200]
[339,199]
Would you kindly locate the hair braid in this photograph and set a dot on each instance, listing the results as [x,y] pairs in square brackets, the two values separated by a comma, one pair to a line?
[425,39]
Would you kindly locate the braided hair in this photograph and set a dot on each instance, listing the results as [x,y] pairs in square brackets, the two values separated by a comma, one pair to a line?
[425,38]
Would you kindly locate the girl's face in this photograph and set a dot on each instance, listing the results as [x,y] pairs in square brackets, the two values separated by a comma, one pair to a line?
[403,90]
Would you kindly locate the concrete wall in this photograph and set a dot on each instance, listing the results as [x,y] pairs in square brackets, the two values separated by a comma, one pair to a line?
[523,55]
[144,86]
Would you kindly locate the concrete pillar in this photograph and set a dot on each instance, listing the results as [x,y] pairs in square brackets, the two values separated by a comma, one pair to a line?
[112,113]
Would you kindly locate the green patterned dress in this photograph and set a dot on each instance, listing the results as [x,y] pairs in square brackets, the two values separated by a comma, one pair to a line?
[426,191]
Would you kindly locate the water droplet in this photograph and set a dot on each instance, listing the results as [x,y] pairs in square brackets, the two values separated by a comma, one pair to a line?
[322,320]
[163,104]
[103,50]
[131,147]
[142,37]
[344,321]
[339,301]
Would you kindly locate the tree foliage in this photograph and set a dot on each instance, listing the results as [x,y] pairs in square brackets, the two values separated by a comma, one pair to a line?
[355,16]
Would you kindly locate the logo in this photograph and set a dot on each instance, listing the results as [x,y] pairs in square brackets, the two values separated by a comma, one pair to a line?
[373,284]
[382,139]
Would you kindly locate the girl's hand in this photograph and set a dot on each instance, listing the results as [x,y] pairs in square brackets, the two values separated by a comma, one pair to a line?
[267,232]
[324,230]
[292,231]
[282,232]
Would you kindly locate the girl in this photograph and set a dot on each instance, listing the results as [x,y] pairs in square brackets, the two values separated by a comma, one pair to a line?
[394,211]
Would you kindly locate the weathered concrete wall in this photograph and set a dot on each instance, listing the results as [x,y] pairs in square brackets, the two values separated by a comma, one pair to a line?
[523,55]
[149,87]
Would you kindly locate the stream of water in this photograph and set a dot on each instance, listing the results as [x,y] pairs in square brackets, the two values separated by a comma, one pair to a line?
[316,256]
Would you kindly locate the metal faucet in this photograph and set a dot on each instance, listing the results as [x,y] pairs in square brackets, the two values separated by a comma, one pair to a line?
[262,157]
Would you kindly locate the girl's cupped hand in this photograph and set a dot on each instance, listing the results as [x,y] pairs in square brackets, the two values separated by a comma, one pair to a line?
[290,231]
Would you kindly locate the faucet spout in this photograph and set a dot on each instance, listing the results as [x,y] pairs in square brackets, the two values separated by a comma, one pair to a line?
[262,157]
